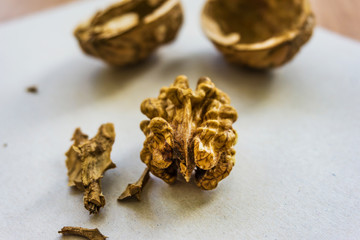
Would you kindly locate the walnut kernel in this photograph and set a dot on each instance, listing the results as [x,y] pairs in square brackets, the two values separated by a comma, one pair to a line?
[189,131]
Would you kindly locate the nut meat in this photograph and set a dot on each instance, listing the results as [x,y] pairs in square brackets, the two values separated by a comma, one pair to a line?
[189,131]
[129,31]
[87,160]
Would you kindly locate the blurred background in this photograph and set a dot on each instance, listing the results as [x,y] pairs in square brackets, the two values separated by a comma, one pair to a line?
[341,16]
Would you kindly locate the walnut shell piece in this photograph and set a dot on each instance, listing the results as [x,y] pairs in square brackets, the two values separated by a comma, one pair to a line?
[259,34]
[129,31]
[134,190]
[87,160]
[91,234]
[189,131]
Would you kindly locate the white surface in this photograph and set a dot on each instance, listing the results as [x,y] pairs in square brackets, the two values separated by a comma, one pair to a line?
[298,169]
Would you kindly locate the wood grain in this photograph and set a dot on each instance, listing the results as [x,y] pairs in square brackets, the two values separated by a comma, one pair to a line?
[339,16]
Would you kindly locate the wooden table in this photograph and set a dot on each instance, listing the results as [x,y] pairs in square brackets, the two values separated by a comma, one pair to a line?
[337,15]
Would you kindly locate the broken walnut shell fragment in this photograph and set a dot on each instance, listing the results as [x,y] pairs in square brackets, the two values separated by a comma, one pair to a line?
[259,34]
[91,234]
[87,160]
[127,32]
[134,190]
[189,131]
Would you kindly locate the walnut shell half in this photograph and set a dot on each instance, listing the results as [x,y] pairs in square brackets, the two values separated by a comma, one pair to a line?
[129,31]
[189,131]
[258,34]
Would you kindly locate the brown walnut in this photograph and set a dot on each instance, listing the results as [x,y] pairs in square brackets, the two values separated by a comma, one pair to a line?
[258,34]
[189,131]
[129,31]
[87,160]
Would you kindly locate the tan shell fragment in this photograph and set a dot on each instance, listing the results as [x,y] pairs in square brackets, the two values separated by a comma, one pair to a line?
[91,234]
[189,131]
[129,31]
[134,190]
[87,160]
[258,34]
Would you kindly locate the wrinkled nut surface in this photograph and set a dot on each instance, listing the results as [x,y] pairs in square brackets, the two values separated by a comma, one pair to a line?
[91,234]
[87,160]
[189,131]
[129,31]
[258,34]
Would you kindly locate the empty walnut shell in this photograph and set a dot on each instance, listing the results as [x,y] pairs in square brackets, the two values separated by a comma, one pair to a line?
[189,131]
[258,34]
[129,31]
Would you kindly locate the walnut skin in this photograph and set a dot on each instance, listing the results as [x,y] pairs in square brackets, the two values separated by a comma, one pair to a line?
[189,131]
[129,31]
[269,41]
[87,160]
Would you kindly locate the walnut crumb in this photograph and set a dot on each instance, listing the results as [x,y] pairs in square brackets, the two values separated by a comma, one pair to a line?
[32,89]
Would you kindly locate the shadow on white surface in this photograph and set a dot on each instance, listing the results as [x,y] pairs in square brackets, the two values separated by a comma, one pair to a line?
[82,83]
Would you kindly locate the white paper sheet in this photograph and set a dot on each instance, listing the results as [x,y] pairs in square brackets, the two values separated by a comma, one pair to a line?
[297,173]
